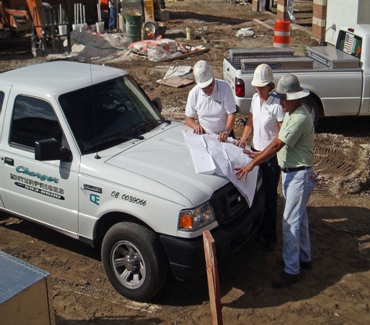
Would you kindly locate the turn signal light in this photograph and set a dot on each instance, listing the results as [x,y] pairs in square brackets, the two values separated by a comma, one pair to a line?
[239,87]
[186,222]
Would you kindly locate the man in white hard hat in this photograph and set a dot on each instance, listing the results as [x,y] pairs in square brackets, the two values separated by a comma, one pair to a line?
[212,101]
[294,148]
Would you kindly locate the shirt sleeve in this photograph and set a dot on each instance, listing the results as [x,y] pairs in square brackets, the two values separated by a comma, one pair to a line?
[291,132]
[229,101]
[190,110]
[279,113]
[252,108]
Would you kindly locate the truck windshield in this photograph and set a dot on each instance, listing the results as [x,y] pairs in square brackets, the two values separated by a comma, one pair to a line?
[109,113]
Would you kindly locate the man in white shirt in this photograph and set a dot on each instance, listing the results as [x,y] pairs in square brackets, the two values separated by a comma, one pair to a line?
[212,101]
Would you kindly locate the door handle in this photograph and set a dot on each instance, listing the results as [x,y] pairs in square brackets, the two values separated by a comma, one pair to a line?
[9,161]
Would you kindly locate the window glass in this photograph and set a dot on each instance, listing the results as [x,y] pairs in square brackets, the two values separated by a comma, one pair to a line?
[1,100]
[33,120]
[350,43]
[108,114]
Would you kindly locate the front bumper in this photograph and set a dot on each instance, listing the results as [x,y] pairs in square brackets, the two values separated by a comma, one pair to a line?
[186,256]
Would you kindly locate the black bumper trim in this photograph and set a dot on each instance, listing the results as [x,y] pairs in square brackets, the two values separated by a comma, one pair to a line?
[186,256]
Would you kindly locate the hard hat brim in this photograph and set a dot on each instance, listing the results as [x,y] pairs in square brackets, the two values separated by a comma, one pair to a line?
[259,84]
[290,96]
[205,84]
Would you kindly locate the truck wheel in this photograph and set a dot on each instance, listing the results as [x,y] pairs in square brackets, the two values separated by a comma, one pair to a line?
[312,108]
[134,261]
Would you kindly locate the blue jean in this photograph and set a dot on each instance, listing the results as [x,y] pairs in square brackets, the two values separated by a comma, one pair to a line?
[112,18]
[297,188]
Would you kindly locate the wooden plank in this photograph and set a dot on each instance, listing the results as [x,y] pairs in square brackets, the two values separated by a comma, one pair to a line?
[212,276]
[186,55]
[175,82]
[263,24]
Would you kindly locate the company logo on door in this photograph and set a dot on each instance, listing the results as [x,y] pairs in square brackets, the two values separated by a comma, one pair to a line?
[41,177]
[48,189]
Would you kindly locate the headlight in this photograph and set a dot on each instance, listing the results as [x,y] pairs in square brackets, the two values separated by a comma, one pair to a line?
[197,218]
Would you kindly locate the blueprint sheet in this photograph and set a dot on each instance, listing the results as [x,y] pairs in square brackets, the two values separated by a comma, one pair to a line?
[211,156]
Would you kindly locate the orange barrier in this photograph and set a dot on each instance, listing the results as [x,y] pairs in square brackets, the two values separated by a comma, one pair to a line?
[282,33]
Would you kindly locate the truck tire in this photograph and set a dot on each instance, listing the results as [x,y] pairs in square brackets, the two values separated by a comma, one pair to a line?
[312,108]
[134,261]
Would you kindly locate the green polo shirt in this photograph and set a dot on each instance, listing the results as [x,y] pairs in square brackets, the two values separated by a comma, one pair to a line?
[297,132]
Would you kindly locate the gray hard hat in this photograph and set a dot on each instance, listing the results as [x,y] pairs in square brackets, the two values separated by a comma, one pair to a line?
[289,88]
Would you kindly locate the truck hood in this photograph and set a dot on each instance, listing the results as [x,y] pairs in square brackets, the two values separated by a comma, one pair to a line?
[164,157]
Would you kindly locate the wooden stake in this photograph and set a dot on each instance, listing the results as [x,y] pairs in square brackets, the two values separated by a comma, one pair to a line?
[212,276]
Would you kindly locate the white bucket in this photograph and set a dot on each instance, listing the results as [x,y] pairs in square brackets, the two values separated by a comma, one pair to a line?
[100,27]
[75,27]
[62,30]
[83,28]
[93,28]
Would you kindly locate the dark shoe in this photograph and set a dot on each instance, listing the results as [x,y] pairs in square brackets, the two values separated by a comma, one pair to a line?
[270,246]
[285,280]
[303,265]
[306,265]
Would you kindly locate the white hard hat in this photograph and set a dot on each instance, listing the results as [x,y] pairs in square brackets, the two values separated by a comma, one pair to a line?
[262,76]
[203,73]
[289,88]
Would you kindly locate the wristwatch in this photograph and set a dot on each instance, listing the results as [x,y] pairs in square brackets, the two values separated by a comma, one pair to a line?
[228,131]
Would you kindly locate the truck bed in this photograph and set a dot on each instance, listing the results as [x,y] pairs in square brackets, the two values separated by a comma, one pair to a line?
[317,58]
[333,77]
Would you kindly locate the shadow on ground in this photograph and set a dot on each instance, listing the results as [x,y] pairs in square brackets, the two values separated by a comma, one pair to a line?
[335,240]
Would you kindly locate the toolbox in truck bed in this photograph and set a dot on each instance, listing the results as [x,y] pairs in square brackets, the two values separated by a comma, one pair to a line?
[332,58]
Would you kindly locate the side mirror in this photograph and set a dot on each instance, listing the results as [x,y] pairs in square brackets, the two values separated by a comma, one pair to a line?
[49,149]
[158,104]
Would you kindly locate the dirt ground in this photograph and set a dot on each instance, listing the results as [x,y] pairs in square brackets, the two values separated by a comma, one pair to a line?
[335,291]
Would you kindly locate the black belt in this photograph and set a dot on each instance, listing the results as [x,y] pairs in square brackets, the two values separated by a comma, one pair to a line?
[294,169]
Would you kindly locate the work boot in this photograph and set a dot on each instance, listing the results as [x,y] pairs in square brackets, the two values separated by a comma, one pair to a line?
[285,280]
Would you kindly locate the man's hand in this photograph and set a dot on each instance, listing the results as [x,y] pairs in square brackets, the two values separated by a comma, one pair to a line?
[251,154]
[223,136]
[198,129]
[242,172]
[240,143]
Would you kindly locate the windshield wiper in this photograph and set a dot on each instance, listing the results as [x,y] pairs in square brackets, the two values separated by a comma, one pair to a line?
[165,121]
[113,138]
[148,122]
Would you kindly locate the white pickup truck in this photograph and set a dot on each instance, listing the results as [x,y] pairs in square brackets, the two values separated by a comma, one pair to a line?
[337,77]
[85,152]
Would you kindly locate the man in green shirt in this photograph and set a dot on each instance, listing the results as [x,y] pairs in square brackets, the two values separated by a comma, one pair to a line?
[294,148]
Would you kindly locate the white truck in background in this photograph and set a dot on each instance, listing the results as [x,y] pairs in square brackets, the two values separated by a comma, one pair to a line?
[337,77]
[84,151]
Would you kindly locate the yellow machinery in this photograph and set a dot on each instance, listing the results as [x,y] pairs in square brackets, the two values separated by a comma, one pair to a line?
[13,22]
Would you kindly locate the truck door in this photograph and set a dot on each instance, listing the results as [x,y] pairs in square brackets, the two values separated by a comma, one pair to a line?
[44,191]
[3,91]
